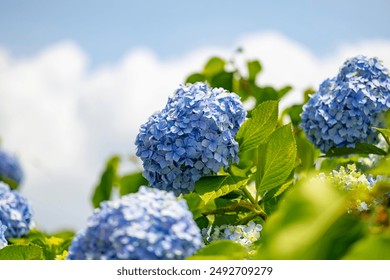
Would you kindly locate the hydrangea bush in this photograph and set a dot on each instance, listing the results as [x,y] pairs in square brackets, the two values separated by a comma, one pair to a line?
[222,182]
[193,136]
[148,225]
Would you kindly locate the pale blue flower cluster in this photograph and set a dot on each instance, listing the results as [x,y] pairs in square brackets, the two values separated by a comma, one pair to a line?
[245,235]
[10,169]
[193,136]
[15,212]
[149,225]
[345,109]
[3,241]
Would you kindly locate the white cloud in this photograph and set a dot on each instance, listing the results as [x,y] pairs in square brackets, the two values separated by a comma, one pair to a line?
[63,120]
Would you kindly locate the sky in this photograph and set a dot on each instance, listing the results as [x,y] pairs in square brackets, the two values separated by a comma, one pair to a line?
[78,78]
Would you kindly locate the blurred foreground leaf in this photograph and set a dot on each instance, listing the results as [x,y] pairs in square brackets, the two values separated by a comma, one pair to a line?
[311,223]
[372,247]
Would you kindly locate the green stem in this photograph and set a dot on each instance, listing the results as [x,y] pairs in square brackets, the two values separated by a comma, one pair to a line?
[262,213]
[249,195]
[232,208]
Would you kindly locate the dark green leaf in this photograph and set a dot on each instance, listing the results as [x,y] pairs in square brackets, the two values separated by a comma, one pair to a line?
[259,127]
[131,183]
[223,79]
[360,149]
[202,222]
[221,250]
[196,77]
[306,152]
[103,189]
[21,252]
[227,219]
[294,112]
[263,94]
[254,68]
[276,160]
[214,66]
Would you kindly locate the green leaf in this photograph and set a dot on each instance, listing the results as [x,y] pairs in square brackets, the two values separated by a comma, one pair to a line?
[254,68]
[103,189]
[131,183]
[51,246]
[385,132]
[372,247]
[311,223]
[360,149]
[221,250]
[21,252]
[276,159]
[259,127]
[214,66]
[242,169]
[283,91]
[196,77]
[306,152]
[294,112]
[202,222]
[223,79]
[212,187]
[195,204]
[263,94]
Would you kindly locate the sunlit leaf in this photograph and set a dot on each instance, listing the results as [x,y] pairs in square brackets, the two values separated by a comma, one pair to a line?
[259,127]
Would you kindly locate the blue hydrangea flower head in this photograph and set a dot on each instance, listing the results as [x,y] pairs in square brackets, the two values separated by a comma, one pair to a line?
[10,169]
[149,225]
[193,136]
[15,212]
[3,241]
[345,108]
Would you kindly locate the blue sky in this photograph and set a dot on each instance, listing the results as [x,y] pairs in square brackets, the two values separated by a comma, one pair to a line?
[107,29]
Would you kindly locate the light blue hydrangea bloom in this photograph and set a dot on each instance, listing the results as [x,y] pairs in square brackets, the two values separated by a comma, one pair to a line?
[10,169]
[151,224]
[192,136]
[3,241]
[245,235]
[15,212]
[345,108]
